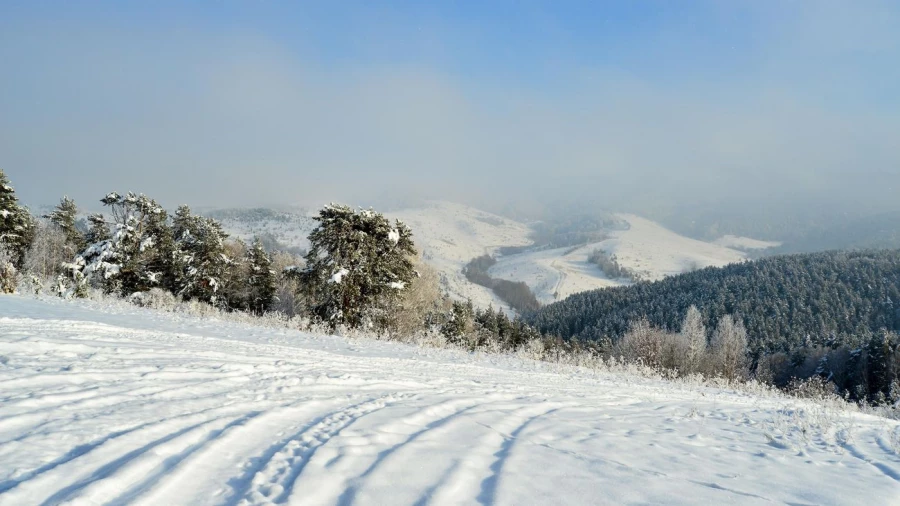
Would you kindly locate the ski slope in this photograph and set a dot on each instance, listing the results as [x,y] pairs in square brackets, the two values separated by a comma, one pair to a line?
[119,405]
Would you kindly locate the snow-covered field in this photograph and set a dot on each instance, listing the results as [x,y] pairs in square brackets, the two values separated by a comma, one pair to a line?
[554,274]
[112,404]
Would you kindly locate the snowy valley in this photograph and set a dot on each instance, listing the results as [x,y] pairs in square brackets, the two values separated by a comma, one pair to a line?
[105,403]
[449,235]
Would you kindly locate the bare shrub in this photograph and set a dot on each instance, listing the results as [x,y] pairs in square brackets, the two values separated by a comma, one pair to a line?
[288,296]
[417,301]
[729,349]
[693,333]
[642,343]
[155,298]
[48,252]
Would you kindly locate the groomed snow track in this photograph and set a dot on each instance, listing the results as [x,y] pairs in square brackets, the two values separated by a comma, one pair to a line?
[125,406]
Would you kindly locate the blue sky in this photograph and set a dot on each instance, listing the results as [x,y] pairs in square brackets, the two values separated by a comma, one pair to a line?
[278,102]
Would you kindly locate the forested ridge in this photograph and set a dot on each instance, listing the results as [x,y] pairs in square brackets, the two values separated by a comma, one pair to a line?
[785,302]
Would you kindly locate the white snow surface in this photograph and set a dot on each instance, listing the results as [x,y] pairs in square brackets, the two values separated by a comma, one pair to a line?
[119,405]
[554,274]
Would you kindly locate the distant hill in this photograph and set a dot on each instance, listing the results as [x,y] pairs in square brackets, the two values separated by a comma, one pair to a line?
[784,301]
[551,257]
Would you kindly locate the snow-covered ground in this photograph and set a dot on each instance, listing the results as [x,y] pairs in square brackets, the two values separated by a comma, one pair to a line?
[112,404]
[554,274]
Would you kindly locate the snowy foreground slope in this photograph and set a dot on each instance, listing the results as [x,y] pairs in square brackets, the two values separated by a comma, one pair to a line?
[120,405]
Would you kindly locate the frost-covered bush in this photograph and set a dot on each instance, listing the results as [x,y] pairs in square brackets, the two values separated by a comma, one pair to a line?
[48,253]
[533,349]
[155,298]
[9,275]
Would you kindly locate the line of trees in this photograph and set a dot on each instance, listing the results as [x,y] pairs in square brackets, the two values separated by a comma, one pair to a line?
[610,266]
[515,293]
[361,272]
[831,316]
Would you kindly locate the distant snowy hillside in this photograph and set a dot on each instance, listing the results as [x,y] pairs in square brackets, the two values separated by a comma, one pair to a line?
[450,235]
[289,227]
[656,252]
[646,248]
[118,405]
[553,274]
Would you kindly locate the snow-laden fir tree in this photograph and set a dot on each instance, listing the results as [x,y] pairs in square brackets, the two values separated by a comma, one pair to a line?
[262,279]
[16,224]
[200,257]
[98,229]
[136,256]
[357,265]
[64,217]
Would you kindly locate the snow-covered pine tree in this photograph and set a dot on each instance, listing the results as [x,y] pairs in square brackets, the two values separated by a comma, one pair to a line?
[136,257]
[358,262]
[262,278]
[64,217]
[200,256]
[98,229]
[16,224]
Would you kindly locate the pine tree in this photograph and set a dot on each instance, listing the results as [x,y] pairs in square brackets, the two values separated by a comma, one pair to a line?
[262,278]
[460,322]
[200,258]
[64,216]
[357,264]
[98,230]
[136,257]
[16,224]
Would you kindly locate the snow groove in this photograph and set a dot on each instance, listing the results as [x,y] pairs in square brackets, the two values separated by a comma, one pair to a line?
[274,483]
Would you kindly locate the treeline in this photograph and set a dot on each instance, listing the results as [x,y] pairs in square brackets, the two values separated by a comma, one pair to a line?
[575,229]
[515,293]
[361,273]
[610,266]
[785,302]
[830,318]
[833,314]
